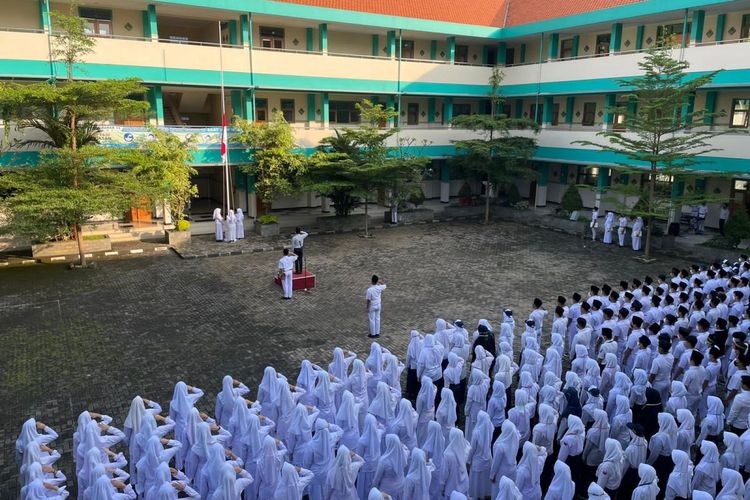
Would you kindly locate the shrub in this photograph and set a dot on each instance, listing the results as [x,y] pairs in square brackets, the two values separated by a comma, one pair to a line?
[183,225]
[513,195]
[417,197]
[268,219]
[465,191]
[571,200]
[737,227]
[521,205]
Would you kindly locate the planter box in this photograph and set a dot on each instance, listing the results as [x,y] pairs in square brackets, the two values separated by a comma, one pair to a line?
[176,238]
[342,224]
[69,247]
[266,229]
[413,215]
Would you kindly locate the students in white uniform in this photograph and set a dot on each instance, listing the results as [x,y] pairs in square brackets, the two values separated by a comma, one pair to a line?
[594,222]
[622,225]
[231,226]
[609,228]
[218,225]
[298,242]
[286,265]
[374,305]
[239,220]
[637,234]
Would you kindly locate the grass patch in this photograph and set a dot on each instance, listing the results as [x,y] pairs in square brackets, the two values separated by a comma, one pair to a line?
[93,237]
[721,242]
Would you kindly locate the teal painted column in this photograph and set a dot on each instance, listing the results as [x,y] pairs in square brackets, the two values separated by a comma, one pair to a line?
[543,169]
[310,109]
[390,44]
[452,49]
[710,109]
[486,55]
[448,111]
[323,38]
[245,30]
[445,182]
[547,112]
[639,37]
[433,50]
[687,111]
[324,109]
[391,105]
[431,110]
[615,43]
[554,44]
[678,188]
[250,104]
[232,27]
[375,45]
[309,40]
[237,107]
[696,27]
[610,100]
[576,45]
[522,54]
[156,101]
[684,28]
[570,103]
[150,25]
[502,49]
[602,183]
[563,179]
[519,109]
[540,197]
[721,21]
[44,19]
[632,107]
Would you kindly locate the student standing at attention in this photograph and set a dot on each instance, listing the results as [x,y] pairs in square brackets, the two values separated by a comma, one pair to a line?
[286,265]
[373,305]
[298,241]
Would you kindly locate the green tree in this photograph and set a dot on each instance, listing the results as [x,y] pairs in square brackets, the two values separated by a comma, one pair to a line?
[662,134]
[571,200]
[738,226]
[329,172]
[497,156]
[276,165]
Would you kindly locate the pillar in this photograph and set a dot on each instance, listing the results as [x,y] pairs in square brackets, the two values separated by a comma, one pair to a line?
[309,43]
[519,109]
[615,42]
[675,210]
[502,49]
[448,110]
[452,49]
[602,183]
[433,50]
[232,28]
[522,54]
[576,45]
[245,35]
[445,182]
[563,179]
[250,104]
[252,199]
[684,28]
[391,44]
[687,111]
[324,109]
[391,105]
[696,27]
[548,102]
[44,19]
[570,103]
[156,101]
[639,37]
[610,101]
[540,199]
[553,46]
[431,101]
[238,108]
[150,26]
[708,118]
[323,38]
[721,21]
[310,109]
[375,45]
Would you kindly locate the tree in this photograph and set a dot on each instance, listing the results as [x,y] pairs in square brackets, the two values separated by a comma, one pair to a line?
[497,156]
[67,112]
[329,172]
[275,164]
[162,165]
[661,133]
[571,200]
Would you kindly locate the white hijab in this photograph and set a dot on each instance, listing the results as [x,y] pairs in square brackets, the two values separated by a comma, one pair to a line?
[382,405]
[459,448]
[507,490]
[562,485]
[419,474]
[680,478]
[135,415]
[340,478]
[446,411]
[217,215]
[338,368]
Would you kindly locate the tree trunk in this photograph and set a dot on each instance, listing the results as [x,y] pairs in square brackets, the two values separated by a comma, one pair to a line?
[487,201]
[79,240]
[650,218]
[367,231]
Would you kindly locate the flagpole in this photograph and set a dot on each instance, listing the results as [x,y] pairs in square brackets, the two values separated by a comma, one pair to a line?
[225,157]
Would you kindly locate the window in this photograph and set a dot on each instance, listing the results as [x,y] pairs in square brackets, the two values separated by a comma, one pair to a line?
[261,110]
[602,44]
[412,113]
[343,112]
[740,113]
[555,114]
[506,109]
[621,116]
[271,38]
[407,49]
[462,53]
[588,176]
[672,33]
[287,109]
[461,109]
[537,113]
[740,185]
[745,27]
[491,56]
[566,48]
[98,21]
[510,56]
[589,114]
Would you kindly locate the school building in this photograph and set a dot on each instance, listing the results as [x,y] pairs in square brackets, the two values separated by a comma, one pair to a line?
[430,59]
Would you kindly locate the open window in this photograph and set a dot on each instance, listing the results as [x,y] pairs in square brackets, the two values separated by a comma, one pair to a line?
[98,22]
[271,38]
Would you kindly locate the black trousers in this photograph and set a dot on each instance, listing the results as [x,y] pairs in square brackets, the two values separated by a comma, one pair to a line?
[298,262]
[721,226]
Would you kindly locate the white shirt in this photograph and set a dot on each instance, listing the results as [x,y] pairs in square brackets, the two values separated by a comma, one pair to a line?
[286,263]
[298,240]
[373,295]
[724,213]
[740,410]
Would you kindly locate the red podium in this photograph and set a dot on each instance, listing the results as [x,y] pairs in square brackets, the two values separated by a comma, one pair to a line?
[300,281]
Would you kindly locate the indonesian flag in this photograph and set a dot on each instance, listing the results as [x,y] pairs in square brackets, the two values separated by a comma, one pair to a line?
[224,138]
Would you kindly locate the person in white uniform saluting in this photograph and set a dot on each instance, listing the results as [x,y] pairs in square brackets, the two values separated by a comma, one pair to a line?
[286,265]
[373,305]
[298,241]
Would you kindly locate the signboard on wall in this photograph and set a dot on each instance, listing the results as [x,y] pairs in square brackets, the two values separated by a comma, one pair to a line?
[205,137]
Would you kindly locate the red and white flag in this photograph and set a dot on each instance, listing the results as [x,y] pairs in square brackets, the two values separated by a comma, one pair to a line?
[224,138]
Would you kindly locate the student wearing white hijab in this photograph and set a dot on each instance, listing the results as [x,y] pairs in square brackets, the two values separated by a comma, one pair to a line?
[732,456]
[496,408]
[648,487]
[507,490]
[404,425]
[389,476]
[250,445]
[446,414]
[610,470]
[562,486]
[306,380]
[679,481]
[339,367]
[732,486]
[268,392]
[347,418]
[300,431]
[325,395]
[708,469]
[231,226]
[357,384]
[596,492]
[609,226]
[38,488]
[198,454]
[620,419]
[455,476]
[153,454]
[635,454]
[686,431]
[637,233]
[434,448]
[528,475]
[183,399]
[713,423]
[520,414]
[133,420]
[480,457]
[504,453]
[268,468]
[381,406]
[239,220]
[318,456]
[418,478]
[430,361]
[454,377]
[292,482]
[369,449]
[425,408]
[103,489]
[179,483]
[476,398]
[412,356]
[230,389]
[596,437]
[544,432]
[218,225]
[339,483]
[661,445]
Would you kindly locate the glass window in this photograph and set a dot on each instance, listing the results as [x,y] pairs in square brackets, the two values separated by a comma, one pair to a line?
[602,43]
[510,56]
[98,22]
[271,38]
[287,109]
[261,110]
[740,111]
[620,117]
[343,112]
[672,33]
[491,56]
[589,114]
[566,48]
[555,114]
[407,49]
[588,175]
[745,27]
[412,113]
[462,53]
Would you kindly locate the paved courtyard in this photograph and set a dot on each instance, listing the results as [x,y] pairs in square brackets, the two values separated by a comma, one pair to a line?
[93,339]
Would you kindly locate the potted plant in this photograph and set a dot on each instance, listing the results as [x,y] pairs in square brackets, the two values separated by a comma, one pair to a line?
[267,225]
[180,234]
[464,195]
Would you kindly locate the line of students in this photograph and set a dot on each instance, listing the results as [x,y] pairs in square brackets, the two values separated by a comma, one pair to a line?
[636,232]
